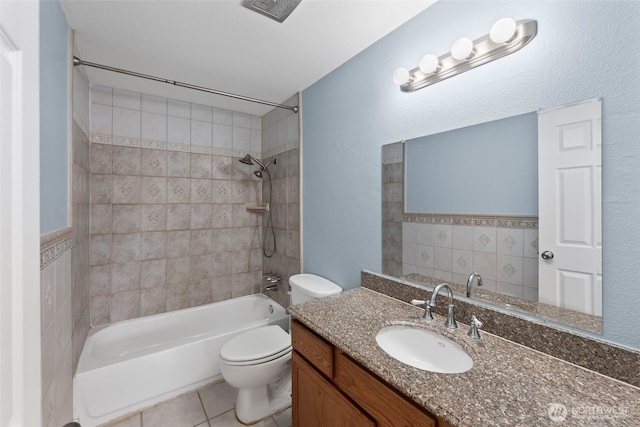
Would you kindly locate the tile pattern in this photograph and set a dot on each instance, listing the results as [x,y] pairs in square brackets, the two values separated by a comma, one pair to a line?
[451,247]
[169,228]
[593,354]
[64,308]
[209,406]
[509,384]
[131,119]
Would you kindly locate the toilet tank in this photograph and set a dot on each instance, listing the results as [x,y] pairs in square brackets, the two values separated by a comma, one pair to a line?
[306,287]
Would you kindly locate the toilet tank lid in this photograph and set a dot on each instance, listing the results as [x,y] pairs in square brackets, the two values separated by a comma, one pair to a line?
[313,285]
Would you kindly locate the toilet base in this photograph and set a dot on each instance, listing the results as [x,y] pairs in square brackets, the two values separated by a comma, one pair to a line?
[256,403]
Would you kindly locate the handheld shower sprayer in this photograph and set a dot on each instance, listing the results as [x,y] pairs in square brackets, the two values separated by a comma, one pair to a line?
[248,159]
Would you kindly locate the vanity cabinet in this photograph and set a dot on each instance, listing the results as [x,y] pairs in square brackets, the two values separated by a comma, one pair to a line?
[330,389]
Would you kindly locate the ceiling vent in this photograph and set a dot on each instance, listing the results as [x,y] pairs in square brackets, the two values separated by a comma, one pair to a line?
[277,10]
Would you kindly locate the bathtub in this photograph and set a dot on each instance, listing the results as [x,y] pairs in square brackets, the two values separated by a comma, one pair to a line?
[136,363]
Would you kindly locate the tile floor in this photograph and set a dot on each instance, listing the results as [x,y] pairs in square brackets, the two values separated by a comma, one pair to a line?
[209,406]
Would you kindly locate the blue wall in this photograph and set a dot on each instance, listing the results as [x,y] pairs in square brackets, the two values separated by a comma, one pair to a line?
[54,117]
[579,53]
[458,171]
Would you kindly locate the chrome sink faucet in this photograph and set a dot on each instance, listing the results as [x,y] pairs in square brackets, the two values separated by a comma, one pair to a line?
[470,282]
[451,321]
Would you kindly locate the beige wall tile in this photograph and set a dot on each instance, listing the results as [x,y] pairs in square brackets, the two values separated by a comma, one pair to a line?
[178,190]
[125,189]
[153,273]
[154,217]
[178,243]
[153,300]
[153,162]
[126,160]
[125,276]
[153,189]
[178,270]
[125,305]
[200,166]
[125,219]
[153,245]
[101,158]
[178,164]
[178,217]
[125,247]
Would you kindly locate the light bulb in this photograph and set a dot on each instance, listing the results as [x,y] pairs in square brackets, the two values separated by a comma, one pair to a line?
[462,49]
[401,76]
[429,64]
[503,31]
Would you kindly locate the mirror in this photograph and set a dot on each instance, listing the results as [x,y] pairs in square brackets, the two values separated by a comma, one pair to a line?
[491,226]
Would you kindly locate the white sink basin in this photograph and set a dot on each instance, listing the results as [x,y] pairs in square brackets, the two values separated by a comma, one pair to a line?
[423,349]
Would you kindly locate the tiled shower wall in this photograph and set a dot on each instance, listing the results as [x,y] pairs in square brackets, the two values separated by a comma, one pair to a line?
[280,141]
[450,247]
[169,228]
[64,279]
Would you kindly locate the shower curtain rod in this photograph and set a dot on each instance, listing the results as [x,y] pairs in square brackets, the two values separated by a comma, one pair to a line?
[77,61]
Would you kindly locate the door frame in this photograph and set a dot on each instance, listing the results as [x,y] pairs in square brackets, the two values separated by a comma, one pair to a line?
[20,228]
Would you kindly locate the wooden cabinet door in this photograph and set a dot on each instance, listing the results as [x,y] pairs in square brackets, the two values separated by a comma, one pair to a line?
[384,404]
[317,403]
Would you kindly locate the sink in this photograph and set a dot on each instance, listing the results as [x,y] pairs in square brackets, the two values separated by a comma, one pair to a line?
[423,349]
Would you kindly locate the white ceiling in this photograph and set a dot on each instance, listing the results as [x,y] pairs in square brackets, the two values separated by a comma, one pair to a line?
[221,45]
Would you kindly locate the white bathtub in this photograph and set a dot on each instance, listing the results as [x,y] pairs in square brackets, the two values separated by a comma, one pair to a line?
[136,363]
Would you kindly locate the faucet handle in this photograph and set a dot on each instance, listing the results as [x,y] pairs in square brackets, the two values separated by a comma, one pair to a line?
[427,308]
[475,324]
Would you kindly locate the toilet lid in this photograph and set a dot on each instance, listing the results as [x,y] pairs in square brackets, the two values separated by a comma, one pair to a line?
[256,344]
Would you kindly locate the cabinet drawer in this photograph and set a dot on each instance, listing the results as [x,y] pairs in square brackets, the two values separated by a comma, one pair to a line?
[314,348]
[383,403]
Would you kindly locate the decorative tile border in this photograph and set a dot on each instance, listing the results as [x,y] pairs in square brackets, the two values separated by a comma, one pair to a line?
[54,245]
[499,221]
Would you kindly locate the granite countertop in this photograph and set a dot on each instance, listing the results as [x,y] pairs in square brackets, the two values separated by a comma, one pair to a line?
[509,384]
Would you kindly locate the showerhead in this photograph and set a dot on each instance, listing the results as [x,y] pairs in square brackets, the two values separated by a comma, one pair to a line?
[246,160]
[249,160]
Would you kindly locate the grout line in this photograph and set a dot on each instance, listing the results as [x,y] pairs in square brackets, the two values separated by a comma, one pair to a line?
[203,408]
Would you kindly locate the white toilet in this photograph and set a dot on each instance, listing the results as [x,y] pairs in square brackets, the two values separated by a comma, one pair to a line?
[258,362]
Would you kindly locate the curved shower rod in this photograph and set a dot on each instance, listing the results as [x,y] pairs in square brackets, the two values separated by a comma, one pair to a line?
[77,61]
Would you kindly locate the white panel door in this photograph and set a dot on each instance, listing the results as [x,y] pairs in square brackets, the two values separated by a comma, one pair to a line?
[570,238]
[20,379]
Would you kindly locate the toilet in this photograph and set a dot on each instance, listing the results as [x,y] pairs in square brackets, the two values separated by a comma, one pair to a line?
[258,362]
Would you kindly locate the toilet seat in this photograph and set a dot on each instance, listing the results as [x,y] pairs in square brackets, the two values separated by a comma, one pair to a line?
[256,346]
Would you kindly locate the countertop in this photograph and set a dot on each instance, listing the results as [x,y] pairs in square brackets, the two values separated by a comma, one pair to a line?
[508,385]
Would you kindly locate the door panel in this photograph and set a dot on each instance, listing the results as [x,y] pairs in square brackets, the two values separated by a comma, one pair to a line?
[570,215]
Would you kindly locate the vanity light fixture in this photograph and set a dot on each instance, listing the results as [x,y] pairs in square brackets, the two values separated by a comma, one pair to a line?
[505,37]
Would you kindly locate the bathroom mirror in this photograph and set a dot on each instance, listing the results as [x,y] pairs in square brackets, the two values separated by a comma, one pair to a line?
[491,226]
